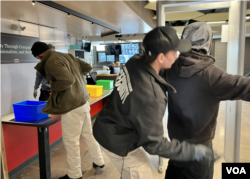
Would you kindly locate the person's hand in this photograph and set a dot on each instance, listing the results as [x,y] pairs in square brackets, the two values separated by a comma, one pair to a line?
[35,94]
[204,154]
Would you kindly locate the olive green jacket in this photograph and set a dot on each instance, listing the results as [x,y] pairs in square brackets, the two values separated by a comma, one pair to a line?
[68,85]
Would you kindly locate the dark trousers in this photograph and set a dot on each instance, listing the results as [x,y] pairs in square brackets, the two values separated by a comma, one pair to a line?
[193,170]
[44,95]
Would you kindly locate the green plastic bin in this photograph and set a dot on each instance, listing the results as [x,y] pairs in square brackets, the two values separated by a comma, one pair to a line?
[107,84]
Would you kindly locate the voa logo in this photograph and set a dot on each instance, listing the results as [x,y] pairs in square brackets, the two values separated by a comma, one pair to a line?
[236,170]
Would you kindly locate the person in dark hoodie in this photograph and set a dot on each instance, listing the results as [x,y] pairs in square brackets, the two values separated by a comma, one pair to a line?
[131,121]
[194,109]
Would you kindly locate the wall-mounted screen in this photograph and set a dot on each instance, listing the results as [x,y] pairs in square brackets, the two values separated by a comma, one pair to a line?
[101,57]
[130,49]
[113,49]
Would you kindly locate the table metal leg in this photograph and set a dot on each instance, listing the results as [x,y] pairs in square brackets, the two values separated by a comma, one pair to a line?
[44,153]
[1,167]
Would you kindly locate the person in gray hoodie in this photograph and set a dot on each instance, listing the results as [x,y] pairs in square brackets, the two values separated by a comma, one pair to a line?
[45,88]
[194,109]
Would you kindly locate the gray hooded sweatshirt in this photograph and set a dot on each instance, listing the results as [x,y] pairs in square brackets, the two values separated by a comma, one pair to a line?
[41,80]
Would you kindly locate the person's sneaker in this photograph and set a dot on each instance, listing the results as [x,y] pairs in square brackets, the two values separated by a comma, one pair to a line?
[96,166]
[67,177]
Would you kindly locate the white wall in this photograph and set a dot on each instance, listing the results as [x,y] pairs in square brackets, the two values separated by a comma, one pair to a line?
[18,80]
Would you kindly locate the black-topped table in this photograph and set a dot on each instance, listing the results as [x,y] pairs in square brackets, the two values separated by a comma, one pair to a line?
[43,133]
[43,141]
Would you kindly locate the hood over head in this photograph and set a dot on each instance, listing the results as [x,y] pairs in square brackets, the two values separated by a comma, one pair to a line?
[199,34]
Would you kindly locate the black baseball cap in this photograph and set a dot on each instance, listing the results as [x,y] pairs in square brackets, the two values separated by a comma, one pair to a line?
[164,39]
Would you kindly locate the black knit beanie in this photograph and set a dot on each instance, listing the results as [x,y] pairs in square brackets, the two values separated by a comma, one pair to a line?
[38,48]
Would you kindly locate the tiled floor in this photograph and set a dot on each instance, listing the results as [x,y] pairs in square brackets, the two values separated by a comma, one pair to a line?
[59,164]
[245,133]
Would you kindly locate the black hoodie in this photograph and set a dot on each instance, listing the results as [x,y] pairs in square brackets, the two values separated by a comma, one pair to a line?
[200,86]
[133,115]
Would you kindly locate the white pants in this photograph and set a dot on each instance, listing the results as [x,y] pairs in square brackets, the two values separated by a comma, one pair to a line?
[74,124]
[165,134]
[135,165]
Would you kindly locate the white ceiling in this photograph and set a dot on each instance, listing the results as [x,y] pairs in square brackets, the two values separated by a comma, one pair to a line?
[116,14]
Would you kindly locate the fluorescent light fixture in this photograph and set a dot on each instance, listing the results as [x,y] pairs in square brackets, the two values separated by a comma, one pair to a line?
[107,33]
[196,5]
[100,48]
[217,22]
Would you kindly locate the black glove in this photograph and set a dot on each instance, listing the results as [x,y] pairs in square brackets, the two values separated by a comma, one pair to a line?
[204,154]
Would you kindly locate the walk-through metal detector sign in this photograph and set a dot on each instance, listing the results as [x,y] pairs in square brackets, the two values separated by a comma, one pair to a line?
[17,49]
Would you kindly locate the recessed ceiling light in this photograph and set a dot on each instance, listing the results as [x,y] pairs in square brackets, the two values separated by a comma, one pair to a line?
[217,22]
[33,3]
[248,17]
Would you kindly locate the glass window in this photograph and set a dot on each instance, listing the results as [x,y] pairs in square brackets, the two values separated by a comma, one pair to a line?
[110,58]
[92,56]
[101,57]
[124,58]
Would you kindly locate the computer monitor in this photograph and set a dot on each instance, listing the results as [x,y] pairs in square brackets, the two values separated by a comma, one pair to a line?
[117,70]
[91,78]
[86,46]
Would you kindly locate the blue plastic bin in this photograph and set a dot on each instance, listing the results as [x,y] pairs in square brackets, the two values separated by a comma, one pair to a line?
[29,111]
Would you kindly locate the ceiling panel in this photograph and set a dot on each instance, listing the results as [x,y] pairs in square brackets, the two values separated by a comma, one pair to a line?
[248,11]
[151,5]
[50,17]
[118,15]
[145,14]
[108,11]
[220,16]
[182,15]
[115,13]
[179,29]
